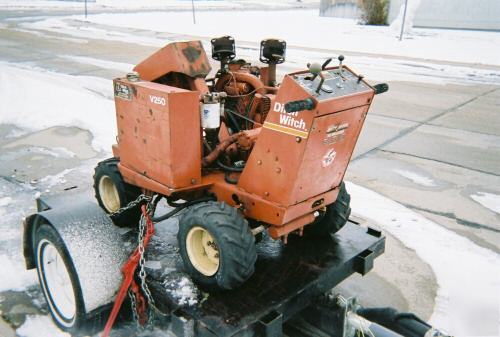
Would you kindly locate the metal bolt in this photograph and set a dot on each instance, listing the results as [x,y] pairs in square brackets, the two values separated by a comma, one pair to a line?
[298,139]
[193,181]
[266,194]
[259,162]
[278,170]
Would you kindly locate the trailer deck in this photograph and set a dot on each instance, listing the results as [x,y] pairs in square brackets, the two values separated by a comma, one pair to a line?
[287,279]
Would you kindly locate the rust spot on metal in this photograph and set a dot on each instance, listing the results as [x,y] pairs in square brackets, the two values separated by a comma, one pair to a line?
[191,53]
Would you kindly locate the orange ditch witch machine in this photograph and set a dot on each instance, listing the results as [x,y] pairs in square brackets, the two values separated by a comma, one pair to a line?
[271,157]
[240,159]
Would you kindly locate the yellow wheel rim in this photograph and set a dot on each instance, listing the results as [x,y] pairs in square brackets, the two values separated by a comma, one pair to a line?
[109,194]
[202,251]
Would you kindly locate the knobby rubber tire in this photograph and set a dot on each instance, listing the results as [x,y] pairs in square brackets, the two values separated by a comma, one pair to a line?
[334,218]
[126,192]
[235,241]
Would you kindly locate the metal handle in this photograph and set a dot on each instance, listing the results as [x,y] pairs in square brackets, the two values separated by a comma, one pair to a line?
[305,104]
[381,88]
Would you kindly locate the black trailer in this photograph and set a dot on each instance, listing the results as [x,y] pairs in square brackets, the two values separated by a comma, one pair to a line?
[289,293]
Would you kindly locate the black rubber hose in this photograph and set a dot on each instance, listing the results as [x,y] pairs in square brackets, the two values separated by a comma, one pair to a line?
[405,324]
[229,168]
[179,208]
[227,178]
[231,112]
[233,121]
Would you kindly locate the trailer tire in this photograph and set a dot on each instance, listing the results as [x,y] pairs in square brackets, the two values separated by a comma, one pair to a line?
[333,218]
[216,245]
[60,284]
[113,193]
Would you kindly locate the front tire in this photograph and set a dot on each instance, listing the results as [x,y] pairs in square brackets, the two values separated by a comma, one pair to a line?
[113,193]
[59,280]
[333,218]
[216,245]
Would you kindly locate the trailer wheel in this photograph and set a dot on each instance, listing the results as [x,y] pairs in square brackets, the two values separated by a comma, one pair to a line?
[113,193]
[216,245]
[333,218]
[59,281]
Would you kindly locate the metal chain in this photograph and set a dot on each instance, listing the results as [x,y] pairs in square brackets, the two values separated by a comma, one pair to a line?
[133,304]
[150,209]
[142,261]
[141,198]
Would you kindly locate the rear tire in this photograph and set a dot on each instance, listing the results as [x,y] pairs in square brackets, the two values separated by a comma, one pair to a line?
[113,193]
[59,282]
[216,245]
[333,218]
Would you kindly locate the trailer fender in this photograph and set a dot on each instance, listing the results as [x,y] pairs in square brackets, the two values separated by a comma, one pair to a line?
[95,245]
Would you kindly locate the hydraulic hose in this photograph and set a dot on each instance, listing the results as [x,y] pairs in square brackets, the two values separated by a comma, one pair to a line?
[179,207]
[405,324]
[229,168]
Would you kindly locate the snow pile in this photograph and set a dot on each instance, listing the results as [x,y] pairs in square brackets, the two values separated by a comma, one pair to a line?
[467,274]
[416,178]
[182,290]
[488,200]
[37,100]
[39,326]
[411,10]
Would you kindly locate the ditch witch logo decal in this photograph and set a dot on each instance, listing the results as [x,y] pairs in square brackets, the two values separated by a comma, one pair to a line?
[289,122]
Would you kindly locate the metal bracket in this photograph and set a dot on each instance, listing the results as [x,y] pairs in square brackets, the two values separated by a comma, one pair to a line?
[363,263]
[271,325]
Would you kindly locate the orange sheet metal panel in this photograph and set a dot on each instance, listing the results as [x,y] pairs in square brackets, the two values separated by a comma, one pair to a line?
[275,160]
[258,208]
[159,132]
[329,148]
[188,58]
[303,154]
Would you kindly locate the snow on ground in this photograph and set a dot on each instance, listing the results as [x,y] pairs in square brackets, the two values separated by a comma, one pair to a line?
[488,200]
[5,201]
[63,25]
[14,201]
[40,99]
[14,274]
[318,32]
[467,274]
[354,38]
[39,326]
[57,179]
[124,67]
[182,290]
[416,178]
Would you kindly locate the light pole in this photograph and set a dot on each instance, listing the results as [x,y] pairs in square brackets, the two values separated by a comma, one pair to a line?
[192,6]
[403,23]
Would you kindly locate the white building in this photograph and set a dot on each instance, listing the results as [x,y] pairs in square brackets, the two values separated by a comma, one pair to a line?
[468,14]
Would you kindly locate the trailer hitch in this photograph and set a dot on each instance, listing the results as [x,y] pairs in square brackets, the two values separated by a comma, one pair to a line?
[380,322]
